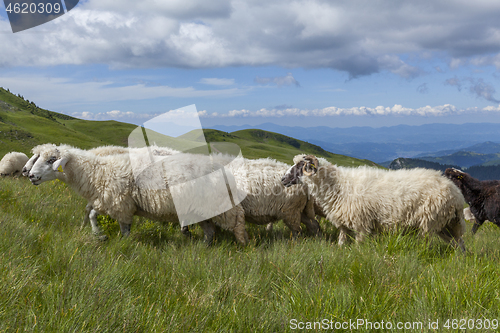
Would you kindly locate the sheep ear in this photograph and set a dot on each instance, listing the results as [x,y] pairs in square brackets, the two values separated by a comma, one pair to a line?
[59,164]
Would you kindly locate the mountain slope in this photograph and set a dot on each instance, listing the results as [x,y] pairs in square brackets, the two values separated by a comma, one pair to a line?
[478,171]
[463,158]
[255,143]
[487,147]
[24,125]
[387,143]
[410,163]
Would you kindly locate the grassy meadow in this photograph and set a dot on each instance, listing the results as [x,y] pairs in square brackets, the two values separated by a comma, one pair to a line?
[56,277]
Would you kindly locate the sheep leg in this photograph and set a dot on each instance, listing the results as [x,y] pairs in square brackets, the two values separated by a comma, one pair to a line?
[269,227]
[185,231]
[461,244]
[452,237]
[208,230]
[360,236]
[234,221]
[476,226]
[239,230]
[294,225]
[239,225]
[311,224]
[308,217]
[86,218]
[344,232]
[125,228]
[95,226]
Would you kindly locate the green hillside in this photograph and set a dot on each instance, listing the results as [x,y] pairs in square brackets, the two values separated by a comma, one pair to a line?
[24,125]
[255,143]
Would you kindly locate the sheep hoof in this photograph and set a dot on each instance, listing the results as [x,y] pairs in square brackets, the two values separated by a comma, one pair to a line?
[102,238]
[185,231]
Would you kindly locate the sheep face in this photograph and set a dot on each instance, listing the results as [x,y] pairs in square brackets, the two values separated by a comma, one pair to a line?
[46,167]
[27,167]
[456,176]
[306,166]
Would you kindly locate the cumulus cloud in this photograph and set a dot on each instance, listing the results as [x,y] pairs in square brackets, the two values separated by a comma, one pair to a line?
[287,80]
[476,87]
[123,116]
[302,33]
[396,110]
[278,112]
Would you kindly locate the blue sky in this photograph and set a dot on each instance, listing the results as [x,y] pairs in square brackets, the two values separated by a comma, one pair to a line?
[296,63]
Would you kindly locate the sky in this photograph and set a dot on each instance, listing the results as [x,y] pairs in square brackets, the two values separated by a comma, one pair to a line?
[294,63]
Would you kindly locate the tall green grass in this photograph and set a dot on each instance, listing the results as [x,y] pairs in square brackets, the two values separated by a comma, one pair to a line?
[56,277]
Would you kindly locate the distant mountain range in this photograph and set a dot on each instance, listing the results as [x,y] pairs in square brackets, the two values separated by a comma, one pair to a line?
[487,147]
[481,161]
[23,125]
[402,134]
[410,163]
[388,143]
[480,172]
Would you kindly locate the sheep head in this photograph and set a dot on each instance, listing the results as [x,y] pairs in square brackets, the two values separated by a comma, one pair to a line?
[47,166]
[455,175]
[36,154]
[305,165]
[27,167]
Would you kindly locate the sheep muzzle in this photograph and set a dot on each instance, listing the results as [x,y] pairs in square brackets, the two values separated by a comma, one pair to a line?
[292,176]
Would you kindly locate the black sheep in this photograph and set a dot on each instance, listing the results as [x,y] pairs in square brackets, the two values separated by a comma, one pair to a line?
[483,196]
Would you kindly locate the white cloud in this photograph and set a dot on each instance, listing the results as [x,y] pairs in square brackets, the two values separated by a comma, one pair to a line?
[179,116]
[217,82]
[396,110]
[379,111]
[114,114]
[123,116]
[357,37]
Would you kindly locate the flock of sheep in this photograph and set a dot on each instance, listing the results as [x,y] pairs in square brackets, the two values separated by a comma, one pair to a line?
[123,182]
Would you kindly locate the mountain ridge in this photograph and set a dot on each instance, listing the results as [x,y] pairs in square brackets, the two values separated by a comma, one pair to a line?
[23,125]
[390,142]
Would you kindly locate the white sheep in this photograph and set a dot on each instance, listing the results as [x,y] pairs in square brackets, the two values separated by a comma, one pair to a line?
[36,154]
[90,213]
[108,183]
[12,164]
[266,200]
[364,200]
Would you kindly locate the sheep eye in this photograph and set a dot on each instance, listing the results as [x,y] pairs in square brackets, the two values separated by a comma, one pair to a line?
[52,160]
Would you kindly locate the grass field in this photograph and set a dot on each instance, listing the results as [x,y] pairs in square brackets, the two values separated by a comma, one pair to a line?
[56,277]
